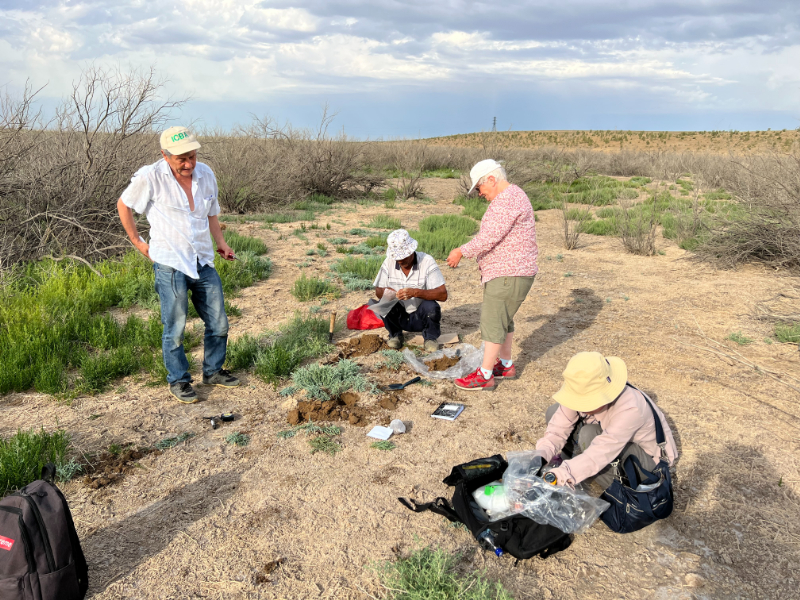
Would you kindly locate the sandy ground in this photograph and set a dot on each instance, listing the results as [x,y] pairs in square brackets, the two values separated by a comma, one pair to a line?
[207,519]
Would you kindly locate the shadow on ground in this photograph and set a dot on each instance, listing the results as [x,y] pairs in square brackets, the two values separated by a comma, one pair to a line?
[117,550]
[571,319]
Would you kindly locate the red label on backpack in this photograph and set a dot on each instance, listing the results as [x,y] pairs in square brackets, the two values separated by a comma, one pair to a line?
[6,543]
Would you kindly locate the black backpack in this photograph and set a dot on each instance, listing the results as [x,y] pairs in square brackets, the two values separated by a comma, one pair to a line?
[516,535]
[40,554]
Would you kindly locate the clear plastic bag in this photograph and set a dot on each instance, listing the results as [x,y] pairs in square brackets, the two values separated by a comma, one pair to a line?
[471,359]
[572,511]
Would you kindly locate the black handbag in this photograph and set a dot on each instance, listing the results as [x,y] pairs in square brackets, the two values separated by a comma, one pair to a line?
[631,510]
[516,535]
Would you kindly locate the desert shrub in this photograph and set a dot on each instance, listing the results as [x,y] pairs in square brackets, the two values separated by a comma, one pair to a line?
[324,443]
[428,574]
[788,332]
[56,335]
[439,234]
[237,438]
[324,382]
[383,445]
[242,352]
[244,243]
[338,241]
[308,288]
[23,455]
[376,241]
[474,206]
[392,359]
[638,226]
[739,338]
[366,268]
[384,222]
[543,197]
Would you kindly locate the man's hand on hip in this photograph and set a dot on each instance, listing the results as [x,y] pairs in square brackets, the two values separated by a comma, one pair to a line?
[225,252]
[454,257]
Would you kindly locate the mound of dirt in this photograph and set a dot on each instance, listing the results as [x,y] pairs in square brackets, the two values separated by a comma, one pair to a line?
[442,364]
[364,345]
[112,467]
[340,409]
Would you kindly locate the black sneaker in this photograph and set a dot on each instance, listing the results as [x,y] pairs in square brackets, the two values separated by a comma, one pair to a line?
[184,392]
[221,378]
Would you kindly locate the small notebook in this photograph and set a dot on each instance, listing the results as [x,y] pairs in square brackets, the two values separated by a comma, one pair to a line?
[448,411]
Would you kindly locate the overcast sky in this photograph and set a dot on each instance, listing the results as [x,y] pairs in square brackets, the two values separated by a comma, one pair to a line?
[425,67]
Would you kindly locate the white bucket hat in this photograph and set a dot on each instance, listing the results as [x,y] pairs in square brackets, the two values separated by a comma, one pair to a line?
[482,169]
[400,245]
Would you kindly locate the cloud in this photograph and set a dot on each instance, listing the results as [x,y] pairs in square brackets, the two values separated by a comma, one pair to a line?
[682,55]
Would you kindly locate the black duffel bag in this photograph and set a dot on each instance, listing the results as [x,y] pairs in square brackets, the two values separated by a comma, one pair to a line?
[516,535]
[631,510]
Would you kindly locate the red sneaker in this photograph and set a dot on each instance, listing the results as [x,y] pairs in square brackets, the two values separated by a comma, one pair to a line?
[501,372]
[475,382]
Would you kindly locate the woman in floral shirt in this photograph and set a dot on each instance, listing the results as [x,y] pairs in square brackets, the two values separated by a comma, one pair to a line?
[506,251]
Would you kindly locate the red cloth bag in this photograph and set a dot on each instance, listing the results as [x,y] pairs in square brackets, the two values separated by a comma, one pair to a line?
[363,318]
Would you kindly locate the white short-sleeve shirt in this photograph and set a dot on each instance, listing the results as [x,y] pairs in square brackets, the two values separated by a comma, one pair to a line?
[424,275]
[179,237]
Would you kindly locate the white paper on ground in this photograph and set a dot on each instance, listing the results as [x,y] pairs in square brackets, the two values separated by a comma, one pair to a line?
[380,433]
[386,303]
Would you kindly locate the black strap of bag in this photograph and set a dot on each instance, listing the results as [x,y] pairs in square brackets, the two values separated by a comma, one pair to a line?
[440,506]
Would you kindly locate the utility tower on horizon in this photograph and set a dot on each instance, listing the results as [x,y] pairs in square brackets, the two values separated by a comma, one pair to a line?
[494,125]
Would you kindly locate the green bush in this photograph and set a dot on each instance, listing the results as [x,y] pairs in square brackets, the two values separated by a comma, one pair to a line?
[384,222]
[243,243]
[363,268]
[788,332]
[308,288]
[324,382]
[23,455]
[54,321]
[474,206]
[432,574]
[439,234]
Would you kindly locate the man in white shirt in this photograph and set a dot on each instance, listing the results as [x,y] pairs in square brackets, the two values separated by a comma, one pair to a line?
[178,195]
[418,283]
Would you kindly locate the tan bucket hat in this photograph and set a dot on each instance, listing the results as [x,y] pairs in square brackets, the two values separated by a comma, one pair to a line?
[178,140]
[591,380]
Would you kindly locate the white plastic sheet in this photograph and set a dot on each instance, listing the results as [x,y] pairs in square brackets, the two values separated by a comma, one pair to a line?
[471,359]
[572,511]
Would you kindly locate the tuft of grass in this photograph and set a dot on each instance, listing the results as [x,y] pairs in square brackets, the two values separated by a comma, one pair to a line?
[308,288]
[23,455]
[338,241]
[238,439]
[384,222]
[439,234]
[392,359]
[324,443]
[474,206]
[740,338]
[363,268]
[383,445]
[243,243]
[309,428]
[788,332]
[173,441]
[433,574]
[325,382]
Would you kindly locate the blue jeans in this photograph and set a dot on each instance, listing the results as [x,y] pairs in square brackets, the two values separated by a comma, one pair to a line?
[172,287]
[427,319]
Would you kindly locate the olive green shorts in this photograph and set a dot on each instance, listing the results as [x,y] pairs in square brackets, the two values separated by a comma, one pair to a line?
[502,297]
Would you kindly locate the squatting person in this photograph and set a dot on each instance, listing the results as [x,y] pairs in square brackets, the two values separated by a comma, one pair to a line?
[419,285]
[506,251]
[599,418]
[178,195]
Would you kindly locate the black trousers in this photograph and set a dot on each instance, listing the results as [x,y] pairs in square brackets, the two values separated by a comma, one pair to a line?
[427,319]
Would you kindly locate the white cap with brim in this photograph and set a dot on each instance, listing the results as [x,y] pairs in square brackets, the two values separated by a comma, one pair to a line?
[482,169]
[178,140]
[591,380]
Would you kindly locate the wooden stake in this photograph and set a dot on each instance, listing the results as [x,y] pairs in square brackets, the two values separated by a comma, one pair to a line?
[333,323]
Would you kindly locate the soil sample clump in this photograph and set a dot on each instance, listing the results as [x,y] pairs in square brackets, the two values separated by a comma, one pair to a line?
[364,345]
[443,363]
[343,408]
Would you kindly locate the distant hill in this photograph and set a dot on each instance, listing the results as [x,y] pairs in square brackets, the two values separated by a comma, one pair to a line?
[677,141]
